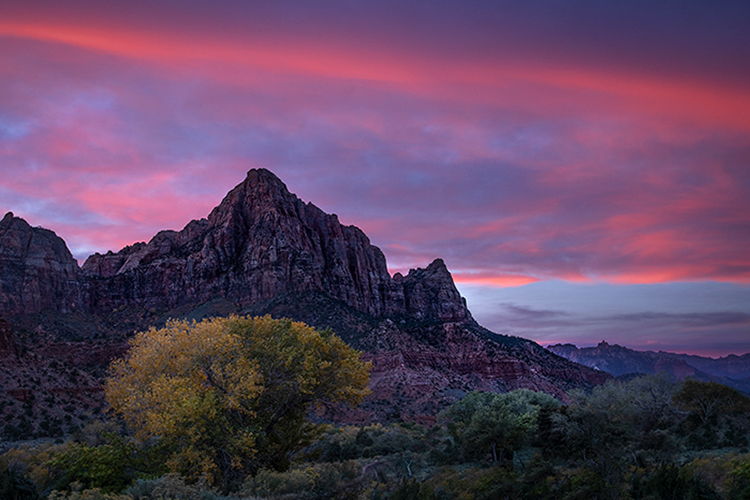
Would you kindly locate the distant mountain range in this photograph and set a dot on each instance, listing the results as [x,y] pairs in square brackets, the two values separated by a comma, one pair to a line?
[618,361]
[261,251]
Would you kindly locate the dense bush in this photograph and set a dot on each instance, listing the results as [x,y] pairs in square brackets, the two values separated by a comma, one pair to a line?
[486,424]
[228,396]
[339,480]
[109,467]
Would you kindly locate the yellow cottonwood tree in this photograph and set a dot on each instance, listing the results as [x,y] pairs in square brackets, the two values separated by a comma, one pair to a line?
[229,395]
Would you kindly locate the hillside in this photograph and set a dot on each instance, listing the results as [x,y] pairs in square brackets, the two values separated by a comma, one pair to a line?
[616,360]
[261,251]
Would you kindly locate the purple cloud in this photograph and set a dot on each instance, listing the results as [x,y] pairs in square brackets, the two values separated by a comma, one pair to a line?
[520,142]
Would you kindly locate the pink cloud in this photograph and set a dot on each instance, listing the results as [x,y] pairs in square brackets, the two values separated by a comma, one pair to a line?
[495,280]
[517,167]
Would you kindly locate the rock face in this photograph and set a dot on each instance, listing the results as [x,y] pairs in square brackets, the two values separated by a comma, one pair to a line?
[421,371]
[260,242]
[37,271]
[429,294]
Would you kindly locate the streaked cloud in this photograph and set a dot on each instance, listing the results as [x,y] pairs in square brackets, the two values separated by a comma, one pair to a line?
[521,142]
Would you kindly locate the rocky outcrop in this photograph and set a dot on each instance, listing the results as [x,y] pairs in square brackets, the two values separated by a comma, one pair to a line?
[260,242]
[110,263]
[431,294]
[37,271]
[59,395]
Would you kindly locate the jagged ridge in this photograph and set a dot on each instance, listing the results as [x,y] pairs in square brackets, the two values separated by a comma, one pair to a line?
[261,241]
[617,360]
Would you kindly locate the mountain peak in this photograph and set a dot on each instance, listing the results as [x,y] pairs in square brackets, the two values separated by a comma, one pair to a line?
[10,220]
[260,194]
[262,176]
[619,360]
[433,294]
[437,268]
[261,242]
[261,182]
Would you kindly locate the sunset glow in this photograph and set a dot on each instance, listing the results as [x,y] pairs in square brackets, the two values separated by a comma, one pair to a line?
[532,147]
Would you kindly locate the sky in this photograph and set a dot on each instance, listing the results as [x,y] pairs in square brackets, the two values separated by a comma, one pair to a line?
[582,167]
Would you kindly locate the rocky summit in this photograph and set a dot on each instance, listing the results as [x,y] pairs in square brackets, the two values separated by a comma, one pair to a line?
[260,242]
[265,251]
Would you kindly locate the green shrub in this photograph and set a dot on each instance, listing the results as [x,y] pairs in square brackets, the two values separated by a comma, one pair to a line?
[107,466]
[318,481]
[169,486]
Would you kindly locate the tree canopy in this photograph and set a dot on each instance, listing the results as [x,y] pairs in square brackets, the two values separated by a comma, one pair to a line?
[229,395]
[484,422]
[708,399]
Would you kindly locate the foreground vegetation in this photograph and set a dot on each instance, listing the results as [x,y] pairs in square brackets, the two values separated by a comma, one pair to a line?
[219,410]
[228,396]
